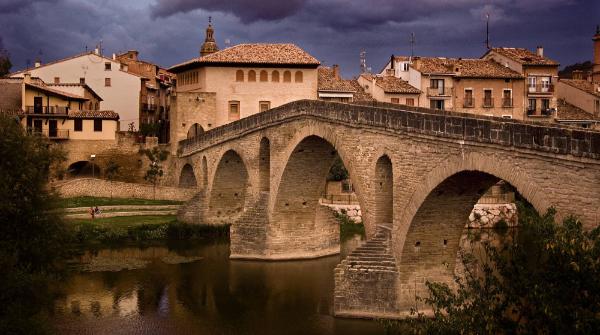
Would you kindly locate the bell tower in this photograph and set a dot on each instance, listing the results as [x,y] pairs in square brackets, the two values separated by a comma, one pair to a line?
[596,68]
[209,46]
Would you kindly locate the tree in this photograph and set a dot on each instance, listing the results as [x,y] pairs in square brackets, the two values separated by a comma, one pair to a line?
[544,279]
[155,171]
[5,63]
[111,171]
[32,235]
[338,171]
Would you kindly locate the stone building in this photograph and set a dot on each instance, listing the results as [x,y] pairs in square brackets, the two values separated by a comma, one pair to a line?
[331,86]
[119,89]
[541,74]
[388,88]
[223,86]
[155,94]
[476,86]
[596,67]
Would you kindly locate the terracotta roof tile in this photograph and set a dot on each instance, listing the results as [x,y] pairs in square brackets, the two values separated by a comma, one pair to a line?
[360,94]
[465,68]
[56,92]
[583,85]
[566,112]
[391,84]
[256,53]
[93,114]
[329,82]
[524,56]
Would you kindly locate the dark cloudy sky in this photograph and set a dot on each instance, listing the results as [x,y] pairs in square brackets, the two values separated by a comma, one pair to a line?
[334,31]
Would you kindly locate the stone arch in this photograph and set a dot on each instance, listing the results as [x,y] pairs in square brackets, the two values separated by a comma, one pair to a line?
[229,188]
[187,178]
[275,76]
[251,75]
[264,165]
[239,75]
[384,192]
[195,131]
[438,209]
[264,76]
[287,77]
[298,77]
[83,169]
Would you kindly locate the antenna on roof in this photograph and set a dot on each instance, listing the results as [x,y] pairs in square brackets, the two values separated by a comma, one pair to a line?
[487,30]
[413,40]
[363,61]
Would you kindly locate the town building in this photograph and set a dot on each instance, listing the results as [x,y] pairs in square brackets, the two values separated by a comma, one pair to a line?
[223,86]
[596,67]
[572,115]
[331,86]
[67,111]
[476,86]
[119,89]
[541,75]
[388,88]
[155,95]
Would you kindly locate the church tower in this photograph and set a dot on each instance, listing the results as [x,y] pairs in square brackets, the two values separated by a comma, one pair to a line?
[209,46]
[596,68]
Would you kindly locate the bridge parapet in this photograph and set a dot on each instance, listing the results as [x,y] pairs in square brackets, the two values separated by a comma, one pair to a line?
[555,139]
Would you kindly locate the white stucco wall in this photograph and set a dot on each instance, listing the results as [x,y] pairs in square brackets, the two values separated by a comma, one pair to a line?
[123,96]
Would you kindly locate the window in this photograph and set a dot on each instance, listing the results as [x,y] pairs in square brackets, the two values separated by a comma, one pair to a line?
[97,125]
[107,66]
[507,98]
[488,101]
[410,101]
[82,81]
[264,106]
[437,84]
[275,76]
[545,104]
[264,76]
[531,106]
[468,98]
[436,104]
[298,77]
[78,126]
[597,107]
[395,100]
[531,81]
[234,110]
[287,77]
[251,75]
[57,80]
[239,75]
[107,82]
[405,67]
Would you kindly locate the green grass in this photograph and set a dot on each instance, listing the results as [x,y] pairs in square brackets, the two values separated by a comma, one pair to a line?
[93,201]
[125,221]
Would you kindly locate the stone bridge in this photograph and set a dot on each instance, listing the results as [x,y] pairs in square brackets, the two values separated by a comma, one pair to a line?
[417,174]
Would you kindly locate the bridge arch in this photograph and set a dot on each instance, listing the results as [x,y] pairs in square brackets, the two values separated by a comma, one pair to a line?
[228,190]
[187,177]
[195,130]
[83,169]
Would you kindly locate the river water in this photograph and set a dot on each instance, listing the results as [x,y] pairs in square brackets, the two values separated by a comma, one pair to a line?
[197,289]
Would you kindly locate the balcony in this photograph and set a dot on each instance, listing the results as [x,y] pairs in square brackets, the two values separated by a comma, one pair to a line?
[439,91]
[543,113]
[487,103]
[54,110]
[541,89]
[507,102]
[53,134]
[148,107]
[468,103]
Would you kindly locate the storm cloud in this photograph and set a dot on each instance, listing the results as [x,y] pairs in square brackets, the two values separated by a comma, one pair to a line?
[335,31]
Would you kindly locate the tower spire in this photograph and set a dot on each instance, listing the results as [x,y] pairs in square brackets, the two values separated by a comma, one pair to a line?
[210,45]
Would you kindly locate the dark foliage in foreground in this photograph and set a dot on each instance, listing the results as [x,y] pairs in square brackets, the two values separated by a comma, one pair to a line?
[545,279]
[32,237]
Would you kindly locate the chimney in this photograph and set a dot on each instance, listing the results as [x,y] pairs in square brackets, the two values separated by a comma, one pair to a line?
[336,71]
[37,63]
[27,77]
[97,51]
[114,56]
[540,51]
[577,74]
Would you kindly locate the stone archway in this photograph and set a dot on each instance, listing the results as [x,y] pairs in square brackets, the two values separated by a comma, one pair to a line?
[229,189]
[187,177]
[195,131]
[83,169]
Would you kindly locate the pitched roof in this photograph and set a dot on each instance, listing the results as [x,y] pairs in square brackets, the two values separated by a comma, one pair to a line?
[94,114]
[84,86]
[328,81]
[568,112]
[465,68]
[391,84]
[63,94]
[523,56]
[583,85]
[254,54]
[360,94]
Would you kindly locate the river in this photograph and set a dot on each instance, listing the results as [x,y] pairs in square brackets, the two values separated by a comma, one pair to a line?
[197,289]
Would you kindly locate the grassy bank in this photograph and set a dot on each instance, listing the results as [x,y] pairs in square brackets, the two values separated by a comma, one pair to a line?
[96,201]
[140,229]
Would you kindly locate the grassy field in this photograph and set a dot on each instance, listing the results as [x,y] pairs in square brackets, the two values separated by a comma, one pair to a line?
[93,201]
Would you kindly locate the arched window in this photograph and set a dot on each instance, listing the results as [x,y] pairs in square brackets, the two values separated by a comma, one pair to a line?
[251,75]
[239,75]
[264,76]
[298,77]
[287,77]
[275,76]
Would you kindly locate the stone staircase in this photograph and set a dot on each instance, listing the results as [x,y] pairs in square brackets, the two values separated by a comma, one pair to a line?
[248,234]
[366,280]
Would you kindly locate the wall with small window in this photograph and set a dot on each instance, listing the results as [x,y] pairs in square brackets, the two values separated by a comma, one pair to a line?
[91,129]
[496,97]
[576,97]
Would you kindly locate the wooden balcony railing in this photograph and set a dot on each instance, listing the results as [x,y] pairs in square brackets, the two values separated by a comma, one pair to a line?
[62,110]
[541,89]
[439,91]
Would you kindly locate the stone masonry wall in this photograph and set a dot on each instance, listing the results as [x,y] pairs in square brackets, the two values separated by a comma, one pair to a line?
[488,215]
[103,188]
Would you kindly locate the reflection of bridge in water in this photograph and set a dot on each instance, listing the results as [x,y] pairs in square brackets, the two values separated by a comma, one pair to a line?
[415,171]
